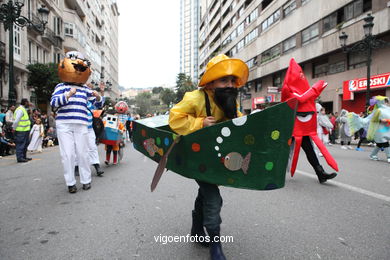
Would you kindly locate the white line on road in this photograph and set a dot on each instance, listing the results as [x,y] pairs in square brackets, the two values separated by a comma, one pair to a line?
[350,187]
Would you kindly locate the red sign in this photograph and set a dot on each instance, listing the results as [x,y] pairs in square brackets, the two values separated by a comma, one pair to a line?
[356,85]
[264,99]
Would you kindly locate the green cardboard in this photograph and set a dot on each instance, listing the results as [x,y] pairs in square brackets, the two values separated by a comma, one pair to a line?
[248,152]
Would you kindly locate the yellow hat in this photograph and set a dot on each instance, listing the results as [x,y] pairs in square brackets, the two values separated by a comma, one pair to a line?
[221,66]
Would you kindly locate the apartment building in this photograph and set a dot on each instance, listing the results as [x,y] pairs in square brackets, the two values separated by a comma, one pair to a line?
[189,39]
[266,34]
[90,27]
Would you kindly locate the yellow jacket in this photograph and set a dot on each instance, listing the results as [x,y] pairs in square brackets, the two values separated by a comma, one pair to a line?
[187,115]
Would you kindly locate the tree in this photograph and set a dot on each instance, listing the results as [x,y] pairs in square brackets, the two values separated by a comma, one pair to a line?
[167,96]
[157,90]
[43,78]
[183,84]
[143,103]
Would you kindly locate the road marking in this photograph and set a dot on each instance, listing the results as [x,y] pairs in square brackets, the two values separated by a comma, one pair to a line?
[350,187]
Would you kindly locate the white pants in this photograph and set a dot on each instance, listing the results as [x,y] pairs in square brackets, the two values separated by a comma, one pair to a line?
[92,147]
[73,141]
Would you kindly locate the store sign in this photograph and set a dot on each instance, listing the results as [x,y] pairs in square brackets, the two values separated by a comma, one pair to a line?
[273,90]
[264,99]
[356,85]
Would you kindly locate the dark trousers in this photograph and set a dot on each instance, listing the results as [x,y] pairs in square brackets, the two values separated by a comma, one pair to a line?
[4,149]
[208,206]
[307,146]
[21,141]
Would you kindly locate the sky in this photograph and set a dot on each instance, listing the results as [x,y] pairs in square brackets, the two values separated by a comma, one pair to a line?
[149,42]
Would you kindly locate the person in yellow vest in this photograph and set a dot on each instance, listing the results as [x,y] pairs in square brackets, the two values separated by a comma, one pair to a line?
[22,126]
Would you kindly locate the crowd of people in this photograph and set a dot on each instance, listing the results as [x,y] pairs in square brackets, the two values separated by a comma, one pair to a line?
[42,132]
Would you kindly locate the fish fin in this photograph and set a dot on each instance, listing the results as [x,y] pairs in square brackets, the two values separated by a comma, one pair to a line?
[295,156]
[245,163]
[329,159]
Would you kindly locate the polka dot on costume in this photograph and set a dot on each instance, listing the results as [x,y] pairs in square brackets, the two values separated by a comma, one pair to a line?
[219,154]
[158,141]
[219,140]
[225,131]
[217,148]
[202,168]
[275,135]
[249,139]
[195,147]
[269,166]
[239,121]
[143,132]
[166,141]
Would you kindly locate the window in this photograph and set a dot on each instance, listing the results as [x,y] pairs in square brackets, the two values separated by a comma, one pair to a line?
[240,11]
[356,60]
[289,7]
[252,62]
[240,29]
[353,9]
[233,51]
[320,68]
[270,54]
[29,51]
[337,67]
[233,35]
[330,22]
[310,33]
[44,56]
[234,19]
[270,20]
[289,44]
[253,15]
[305,1]
[251,36]
[69,29]
[265,3]
[240,44]
[258,85]
[38,54]
[277,80]
[17,43]
[57,25]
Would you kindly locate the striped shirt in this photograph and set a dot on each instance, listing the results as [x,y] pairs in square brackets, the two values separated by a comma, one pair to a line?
[74,110]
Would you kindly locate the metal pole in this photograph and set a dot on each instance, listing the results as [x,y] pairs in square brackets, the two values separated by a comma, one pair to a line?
[368,75]
[11,91]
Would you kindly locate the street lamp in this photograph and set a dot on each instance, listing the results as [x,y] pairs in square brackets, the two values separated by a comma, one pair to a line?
[10,14]
[366,45]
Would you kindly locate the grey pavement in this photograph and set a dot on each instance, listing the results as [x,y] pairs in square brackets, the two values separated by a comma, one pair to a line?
[348,218]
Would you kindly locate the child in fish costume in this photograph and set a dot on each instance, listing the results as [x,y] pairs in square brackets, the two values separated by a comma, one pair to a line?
[214,102]
[305,129]
[378,123]
[113,132]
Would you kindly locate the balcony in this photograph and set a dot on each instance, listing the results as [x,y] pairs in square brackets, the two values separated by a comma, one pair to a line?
[32,28]
[50,37]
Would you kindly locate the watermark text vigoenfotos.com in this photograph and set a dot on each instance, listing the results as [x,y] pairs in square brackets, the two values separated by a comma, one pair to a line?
[165,239]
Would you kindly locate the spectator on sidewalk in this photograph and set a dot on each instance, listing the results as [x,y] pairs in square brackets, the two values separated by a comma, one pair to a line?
[22,127]
[5,145]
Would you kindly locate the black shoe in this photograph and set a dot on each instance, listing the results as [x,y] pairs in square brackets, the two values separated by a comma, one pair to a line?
[322,175]
[28,158]
[198,230]
[76,171]
[86,186]
[216,252]
[99,171]
[72,189]
[22,161]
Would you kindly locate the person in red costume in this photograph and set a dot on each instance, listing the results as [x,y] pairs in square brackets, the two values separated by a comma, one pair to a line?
[295,85]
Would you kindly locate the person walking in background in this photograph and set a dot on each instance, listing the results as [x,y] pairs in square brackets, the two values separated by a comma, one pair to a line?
[21,127]
[36,136]
[332,135]
[345,135]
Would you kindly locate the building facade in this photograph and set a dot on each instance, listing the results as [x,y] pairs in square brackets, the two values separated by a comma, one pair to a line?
[189,38]
[90,27]
[266,34]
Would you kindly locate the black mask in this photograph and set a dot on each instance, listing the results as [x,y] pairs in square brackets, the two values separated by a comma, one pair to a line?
[226,100]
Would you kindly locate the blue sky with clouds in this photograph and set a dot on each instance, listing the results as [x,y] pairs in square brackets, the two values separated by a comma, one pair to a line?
[149,35]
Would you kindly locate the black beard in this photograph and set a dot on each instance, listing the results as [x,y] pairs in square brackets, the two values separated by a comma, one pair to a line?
[226,100]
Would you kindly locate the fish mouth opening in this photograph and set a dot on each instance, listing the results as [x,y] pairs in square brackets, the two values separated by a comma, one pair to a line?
[305,119]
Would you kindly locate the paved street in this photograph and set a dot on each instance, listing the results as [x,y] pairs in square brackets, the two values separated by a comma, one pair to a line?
[348,218]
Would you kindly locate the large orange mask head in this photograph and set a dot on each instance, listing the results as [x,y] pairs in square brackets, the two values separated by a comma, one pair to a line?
[74,68]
